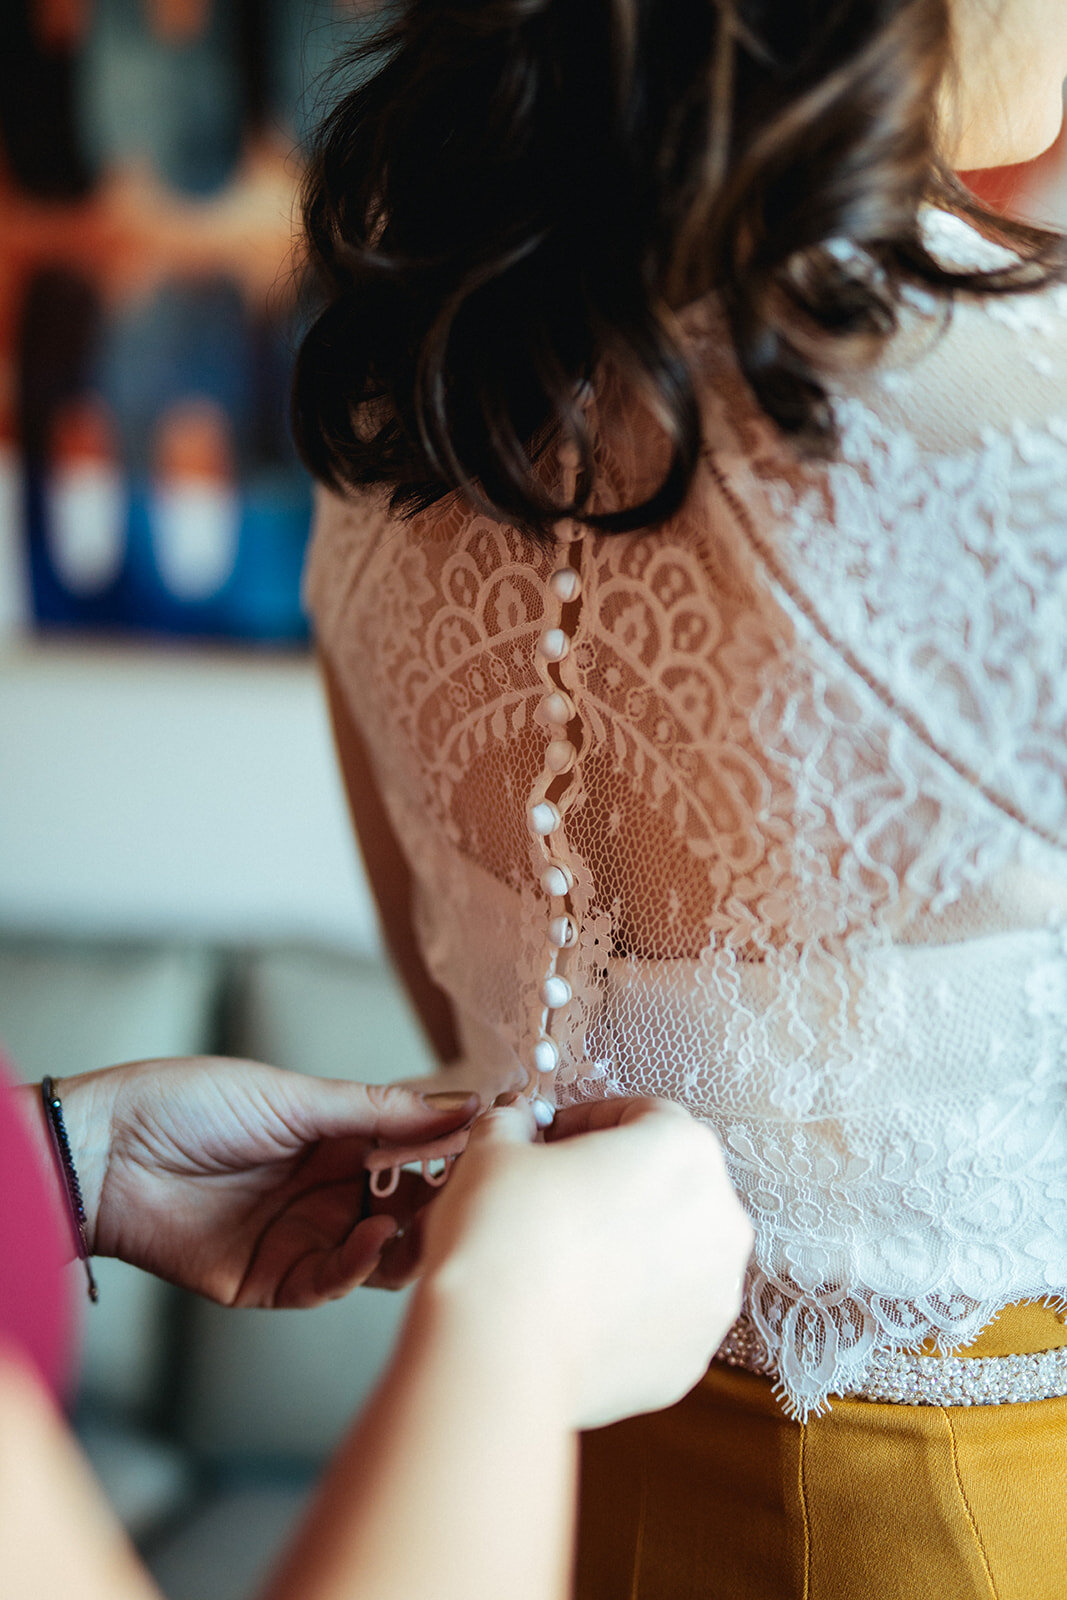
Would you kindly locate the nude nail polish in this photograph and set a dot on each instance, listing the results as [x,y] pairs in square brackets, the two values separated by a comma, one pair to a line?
[450,1099]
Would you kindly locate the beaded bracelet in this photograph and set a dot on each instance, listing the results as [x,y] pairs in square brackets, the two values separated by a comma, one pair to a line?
[53,1110]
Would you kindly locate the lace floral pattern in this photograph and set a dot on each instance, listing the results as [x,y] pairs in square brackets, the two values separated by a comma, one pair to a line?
[816,819]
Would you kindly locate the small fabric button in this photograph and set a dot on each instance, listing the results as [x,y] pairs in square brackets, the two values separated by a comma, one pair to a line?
[562,932]
[556,880]
[559,756]
[566,584]
[556,992]
[544,818]
[558,708]
[546,1054]
[553,644]
[544,1114]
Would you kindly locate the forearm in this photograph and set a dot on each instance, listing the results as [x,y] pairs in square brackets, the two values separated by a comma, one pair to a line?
[59,1537]
[459,1479]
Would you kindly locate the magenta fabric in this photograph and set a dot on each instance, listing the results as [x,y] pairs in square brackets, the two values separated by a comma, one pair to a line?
[35,1308]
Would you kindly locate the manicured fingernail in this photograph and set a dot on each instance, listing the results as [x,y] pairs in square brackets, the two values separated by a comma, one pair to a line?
[503,1100]
[450,1100]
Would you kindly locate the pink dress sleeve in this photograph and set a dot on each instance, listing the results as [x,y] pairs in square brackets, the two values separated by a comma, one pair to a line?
[35,1308]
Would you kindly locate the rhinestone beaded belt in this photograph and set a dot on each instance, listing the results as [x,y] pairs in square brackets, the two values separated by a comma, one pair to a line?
[901,1377]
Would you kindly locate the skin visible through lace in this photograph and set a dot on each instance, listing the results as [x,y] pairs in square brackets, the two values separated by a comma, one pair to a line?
[803,908]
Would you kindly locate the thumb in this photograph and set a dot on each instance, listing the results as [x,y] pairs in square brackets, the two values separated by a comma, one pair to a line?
[505,1124]
[334,1108]
[597,1116]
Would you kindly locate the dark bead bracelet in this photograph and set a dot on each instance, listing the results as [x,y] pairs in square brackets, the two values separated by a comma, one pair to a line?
[53,1110]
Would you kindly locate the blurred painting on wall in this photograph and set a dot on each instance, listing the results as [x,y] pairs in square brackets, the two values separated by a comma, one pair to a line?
[150,158]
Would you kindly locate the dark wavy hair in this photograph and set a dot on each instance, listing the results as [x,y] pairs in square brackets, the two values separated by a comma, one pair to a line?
[523,189]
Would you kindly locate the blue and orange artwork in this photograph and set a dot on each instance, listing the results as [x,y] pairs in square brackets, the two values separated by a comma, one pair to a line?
[150,161]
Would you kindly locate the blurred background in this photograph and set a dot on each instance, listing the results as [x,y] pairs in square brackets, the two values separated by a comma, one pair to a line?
[148,309]
[177,873]
[176,869]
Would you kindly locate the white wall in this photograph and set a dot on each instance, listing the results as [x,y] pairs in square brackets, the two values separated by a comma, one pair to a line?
[158,792]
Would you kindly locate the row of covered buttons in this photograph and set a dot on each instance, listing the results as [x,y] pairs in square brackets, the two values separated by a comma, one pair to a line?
[546,821]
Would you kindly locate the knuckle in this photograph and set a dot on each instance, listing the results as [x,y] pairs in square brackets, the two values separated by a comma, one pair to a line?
[385,1097]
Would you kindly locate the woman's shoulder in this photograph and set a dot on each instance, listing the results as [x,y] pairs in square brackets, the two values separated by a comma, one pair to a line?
[345,528]
[958,372]
[926,560]
[964,377]
[960,387]
[373,572]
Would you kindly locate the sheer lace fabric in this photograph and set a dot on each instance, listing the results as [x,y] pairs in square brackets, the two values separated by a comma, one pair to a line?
[816,824]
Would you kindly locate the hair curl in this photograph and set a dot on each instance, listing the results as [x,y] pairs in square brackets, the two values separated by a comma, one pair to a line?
[524,188]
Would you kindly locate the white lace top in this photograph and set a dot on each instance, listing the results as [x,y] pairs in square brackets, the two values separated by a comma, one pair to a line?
[767,812]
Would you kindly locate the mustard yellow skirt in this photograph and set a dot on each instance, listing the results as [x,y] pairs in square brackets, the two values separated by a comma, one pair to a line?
[725,1498]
